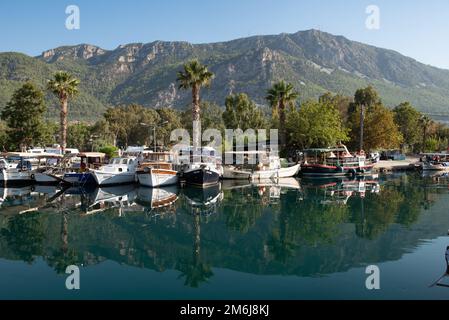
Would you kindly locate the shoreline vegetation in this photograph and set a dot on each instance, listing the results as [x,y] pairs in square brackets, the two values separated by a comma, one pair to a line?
[313,123]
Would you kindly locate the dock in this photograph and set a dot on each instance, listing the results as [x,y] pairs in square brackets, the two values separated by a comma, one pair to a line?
[409,164]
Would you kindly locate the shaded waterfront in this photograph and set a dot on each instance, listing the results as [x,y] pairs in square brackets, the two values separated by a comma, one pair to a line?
[299,239]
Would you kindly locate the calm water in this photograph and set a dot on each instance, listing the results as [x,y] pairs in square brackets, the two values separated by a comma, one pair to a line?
[298,240]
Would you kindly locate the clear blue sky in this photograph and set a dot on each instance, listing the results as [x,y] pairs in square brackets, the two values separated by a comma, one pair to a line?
[416,28]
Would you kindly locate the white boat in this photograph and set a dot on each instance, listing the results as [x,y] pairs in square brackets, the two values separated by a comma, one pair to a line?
[265,166]
[48,169]
[118,171]
[15,169]
[157,170]
[435,162]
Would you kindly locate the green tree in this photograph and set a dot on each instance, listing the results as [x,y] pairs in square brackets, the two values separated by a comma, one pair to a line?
[241,112]
[78,136]
[407,119]
[194,76]
[172,120]
[63,86]
[315,124]
[280,96]
[380,130]
[4,139]
[23,116]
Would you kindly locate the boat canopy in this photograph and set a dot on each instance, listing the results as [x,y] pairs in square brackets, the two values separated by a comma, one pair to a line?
[91,155]
[324,150]
[31,155]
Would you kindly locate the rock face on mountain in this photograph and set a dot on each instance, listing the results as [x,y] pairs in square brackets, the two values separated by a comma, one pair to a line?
[315,62]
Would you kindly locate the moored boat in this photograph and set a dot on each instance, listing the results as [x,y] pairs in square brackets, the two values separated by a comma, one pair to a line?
[264,165]
[435,162]
[157,170]
[202,169]
[15,169]
[80,174]
[118,171]
[335,162]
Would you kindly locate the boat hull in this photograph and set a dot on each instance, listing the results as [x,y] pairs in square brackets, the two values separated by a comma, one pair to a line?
[13,177]
[333,171]
[79,179]
[435,167]
[233,174]
[157,178]
[276,174]
[201,177]
[46,178]
[110,179]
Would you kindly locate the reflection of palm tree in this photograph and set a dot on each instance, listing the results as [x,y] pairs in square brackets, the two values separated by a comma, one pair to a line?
[279,243]
[195,272]
[64,257]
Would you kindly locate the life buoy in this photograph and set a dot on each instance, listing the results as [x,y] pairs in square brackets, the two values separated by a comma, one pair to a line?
[353,172]
[33,177]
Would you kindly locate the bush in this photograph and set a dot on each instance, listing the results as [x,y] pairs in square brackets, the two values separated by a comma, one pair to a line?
[110,151]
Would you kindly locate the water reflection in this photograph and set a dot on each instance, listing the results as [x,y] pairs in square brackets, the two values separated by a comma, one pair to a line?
[289,227]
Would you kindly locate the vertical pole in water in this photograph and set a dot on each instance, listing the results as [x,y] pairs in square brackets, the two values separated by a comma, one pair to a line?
[362,123]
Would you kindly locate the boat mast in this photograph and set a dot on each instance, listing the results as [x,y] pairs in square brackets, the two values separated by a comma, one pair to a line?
[362,120]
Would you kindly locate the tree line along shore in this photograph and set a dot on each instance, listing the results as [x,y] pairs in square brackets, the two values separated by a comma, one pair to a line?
[315,123]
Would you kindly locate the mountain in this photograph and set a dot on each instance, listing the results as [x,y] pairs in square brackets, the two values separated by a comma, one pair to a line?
[314,61]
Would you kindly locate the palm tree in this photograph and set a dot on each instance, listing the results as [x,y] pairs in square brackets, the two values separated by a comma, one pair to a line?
[279,96]
[425,122]
[194,76]
[64,86]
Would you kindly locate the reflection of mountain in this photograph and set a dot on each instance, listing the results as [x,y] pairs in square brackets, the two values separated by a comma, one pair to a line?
[291,236]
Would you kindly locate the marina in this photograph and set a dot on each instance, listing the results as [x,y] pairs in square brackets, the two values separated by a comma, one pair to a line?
[300,238]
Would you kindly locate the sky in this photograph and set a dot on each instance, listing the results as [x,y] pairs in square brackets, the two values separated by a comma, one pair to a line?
[415,28]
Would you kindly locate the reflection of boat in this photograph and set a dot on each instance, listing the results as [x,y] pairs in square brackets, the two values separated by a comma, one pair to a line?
[13,197]
[287,183]
[198,197]
[105,198]
[157,197]
[340,190]
[335,162]
[118,171]
[257,165]
[157,170]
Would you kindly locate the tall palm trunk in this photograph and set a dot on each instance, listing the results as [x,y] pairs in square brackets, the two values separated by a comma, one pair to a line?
[63,122]
[197,239]
[282,121]
[196,116]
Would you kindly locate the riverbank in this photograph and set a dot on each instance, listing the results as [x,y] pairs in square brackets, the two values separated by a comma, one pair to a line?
[409,164]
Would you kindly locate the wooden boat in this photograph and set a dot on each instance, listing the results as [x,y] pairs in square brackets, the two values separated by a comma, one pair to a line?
[80,175]
[157,170]
[335,162]
[257,165]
